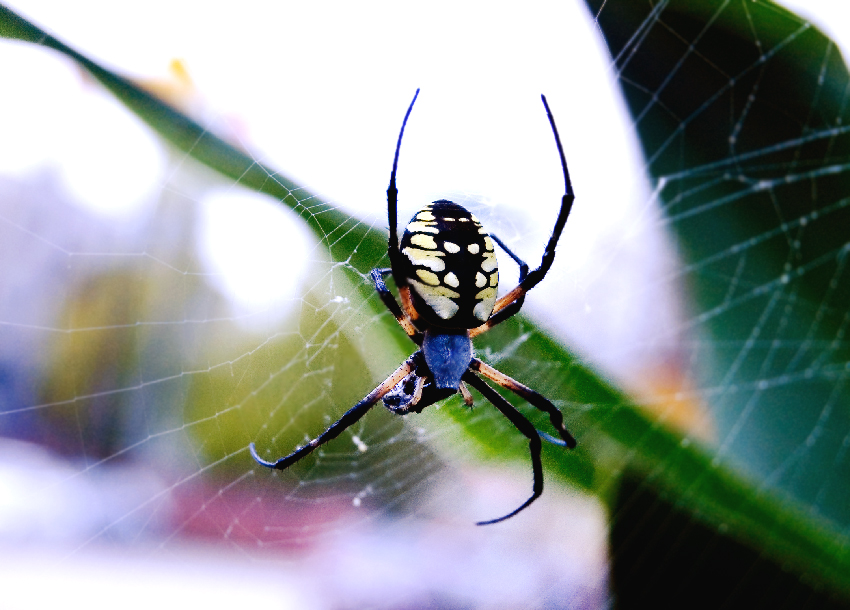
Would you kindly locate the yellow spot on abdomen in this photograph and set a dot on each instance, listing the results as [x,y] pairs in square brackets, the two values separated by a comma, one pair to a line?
[425,258]
[423,241]
[483,309]
[489,263]
[487,293]
[422,227]
[438,298]
[428,277]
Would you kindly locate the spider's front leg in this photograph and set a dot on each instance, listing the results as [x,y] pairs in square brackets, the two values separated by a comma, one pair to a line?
[511,303]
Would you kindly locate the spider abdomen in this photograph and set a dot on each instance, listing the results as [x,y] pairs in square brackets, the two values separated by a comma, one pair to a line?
[449,262]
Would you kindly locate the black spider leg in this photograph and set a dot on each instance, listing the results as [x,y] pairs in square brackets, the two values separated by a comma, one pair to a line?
[389,301]
[533,278]
[556,418]
[392,201]
[523,425]
[523,266]
[511,303]
[335,429]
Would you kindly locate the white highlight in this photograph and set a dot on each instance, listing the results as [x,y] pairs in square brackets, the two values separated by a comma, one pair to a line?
[257,251]
[107,159]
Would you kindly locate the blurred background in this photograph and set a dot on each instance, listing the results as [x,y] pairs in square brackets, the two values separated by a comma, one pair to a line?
[157,317]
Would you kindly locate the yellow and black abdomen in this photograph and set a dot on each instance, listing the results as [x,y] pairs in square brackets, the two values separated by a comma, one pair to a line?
[448,259]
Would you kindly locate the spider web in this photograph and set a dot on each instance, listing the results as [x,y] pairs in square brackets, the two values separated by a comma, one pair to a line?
[155,318]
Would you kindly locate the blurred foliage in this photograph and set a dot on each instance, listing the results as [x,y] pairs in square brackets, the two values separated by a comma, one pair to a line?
[86,365]
[735,122]
[741,110]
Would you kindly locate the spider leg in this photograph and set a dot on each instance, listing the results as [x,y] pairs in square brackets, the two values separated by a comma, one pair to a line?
[392,197]
[523,266]
[349,418]
[551,439]
[534,398]
[389,301]
[534,277]
[538,274]
[523,425]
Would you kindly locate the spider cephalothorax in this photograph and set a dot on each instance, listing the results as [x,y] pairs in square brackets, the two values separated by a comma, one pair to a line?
[447,277]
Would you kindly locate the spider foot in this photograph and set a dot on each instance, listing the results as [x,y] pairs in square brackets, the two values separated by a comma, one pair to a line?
[257,457]
[555,440]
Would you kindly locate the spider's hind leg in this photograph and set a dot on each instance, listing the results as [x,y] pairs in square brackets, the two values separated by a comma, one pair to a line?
[556,418]
[523,425]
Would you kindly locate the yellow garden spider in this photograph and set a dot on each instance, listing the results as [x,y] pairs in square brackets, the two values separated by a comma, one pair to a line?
[446,273]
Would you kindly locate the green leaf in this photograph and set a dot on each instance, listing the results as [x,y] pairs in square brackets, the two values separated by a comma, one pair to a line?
[614,433]
[741,109]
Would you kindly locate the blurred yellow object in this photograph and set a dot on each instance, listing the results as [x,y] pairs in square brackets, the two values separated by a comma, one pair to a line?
[176,88]
[670,395]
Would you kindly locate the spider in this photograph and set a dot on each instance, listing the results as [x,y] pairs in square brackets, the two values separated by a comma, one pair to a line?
[446,273]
